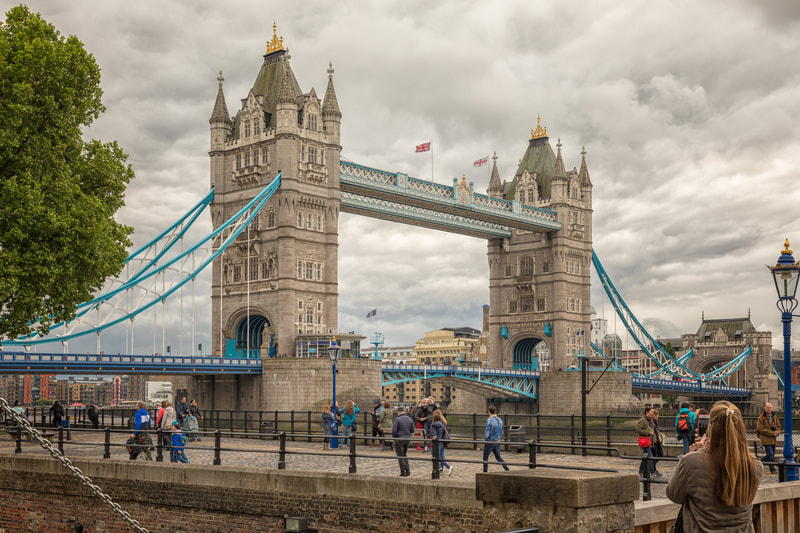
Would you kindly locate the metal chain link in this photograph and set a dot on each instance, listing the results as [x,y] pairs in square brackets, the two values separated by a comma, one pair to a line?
[47,445]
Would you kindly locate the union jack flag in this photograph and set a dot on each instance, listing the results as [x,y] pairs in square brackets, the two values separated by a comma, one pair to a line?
[424,147]
[480,162]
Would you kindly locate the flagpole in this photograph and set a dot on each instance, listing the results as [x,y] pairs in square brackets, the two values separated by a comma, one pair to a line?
[431,144]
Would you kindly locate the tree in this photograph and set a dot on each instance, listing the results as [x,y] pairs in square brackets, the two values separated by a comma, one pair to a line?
[58,192]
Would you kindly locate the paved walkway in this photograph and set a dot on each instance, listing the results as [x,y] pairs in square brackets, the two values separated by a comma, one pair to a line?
[310,457]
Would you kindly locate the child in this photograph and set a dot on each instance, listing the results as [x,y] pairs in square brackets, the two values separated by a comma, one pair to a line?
[176,454]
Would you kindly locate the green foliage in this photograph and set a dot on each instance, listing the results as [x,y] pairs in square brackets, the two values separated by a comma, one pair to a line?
[58,193]
[44,402]
[669,349]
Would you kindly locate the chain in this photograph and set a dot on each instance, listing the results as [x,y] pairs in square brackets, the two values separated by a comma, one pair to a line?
[47,445]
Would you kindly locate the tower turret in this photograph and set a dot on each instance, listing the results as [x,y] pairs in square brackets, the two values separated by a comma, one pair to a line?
[286,102]
[495,187]
[558,182]
[331,115]
[220,126]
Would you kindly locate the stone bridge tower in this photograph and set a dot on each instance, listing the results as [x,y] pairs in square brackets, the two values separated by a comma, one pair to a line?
[287,260]
[539,282]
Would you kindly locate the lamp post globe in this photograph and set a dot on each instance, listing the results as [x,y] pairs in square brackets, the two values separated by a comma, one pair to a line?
[786,273]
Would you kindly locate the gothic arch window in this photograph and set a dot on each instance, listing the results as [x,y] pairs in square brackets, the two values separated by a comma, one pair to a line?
[247,159]
[257,127]
[526,266]
[247,128]
[531,197]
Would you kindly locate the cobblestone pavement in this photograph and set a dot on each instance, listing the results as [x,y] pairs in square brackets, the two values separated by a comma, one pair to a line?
[308,456]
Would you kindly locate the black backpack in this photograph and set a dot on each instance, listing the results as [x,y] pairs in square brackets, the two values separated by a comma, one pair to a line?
[684,424]
[133,449]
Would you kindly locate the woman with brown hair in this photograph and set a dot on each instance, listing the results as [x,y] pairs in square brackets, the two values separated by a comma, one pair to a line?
[717,483]
[438,429]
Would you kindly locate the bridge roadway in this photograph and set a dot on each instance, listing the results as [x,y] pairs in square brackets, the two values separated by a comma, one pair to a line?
[67,363]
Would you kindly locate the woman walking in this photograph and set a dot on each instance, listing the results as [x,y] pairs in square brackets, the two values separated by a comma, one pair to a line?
[716,483]
[328,421]
[385,424]
[349,419]
[438,430]
[656,440]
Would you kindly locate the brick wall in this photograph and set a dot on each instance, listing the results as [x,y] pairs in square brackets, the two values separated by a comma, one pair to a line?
[40,495]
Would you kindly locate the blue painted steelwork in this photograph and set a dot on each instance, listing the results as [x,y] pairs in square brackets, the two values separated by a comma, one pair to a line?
[666,363]
[780,379]
[519,382]
[395,196]
[697,388]
[233,226]
[257,324]
[524,357]
[35,363]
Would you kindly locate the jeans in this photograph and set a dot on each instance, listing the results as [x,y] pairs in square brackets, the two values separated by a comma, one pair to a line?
[401,449]
[687,440]
[177,456]
[346,432]
[442,462]
[649,453]
[495,449]
[769,456]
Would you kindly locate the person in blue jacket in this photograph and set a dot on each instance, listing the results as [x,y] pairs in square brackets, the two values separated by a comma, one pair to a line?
[349,419]
[141,426]
[177,453]
[491,435]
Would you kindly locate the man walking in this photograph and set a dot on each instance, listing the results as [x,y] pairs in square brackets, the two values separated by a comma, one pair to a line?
[684,426]
[402,429]
[768,429]
[491,434]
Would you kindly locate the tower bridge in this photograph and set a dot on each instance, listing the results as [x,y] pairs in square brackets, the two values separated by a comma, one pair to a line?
[278,186]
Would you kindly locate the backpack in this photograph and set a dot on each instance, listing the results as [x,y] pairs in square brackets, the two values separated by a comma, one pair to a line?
[446,436]
[132,447]
[684,424]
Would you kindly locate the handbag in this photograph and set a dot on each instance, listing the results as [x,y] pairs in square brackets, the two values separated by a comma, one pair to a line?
[644,442]
[677,527]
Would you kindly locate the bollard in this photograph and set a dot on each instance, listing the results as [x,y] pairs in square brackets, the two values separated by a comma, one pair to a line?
[160,446]
[107,445]
[18,449]
[282,452]
[531,454]
[353,453]
[647,494]
[435,452]
[217,440]
[61,439]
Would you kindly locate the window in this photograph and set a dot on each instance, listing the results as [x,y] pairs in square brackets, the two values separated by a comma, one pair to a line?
[300,271]
[540,304]
[247,159]
[265,270]
[247,128]
[531,197]
[309,270]
[300,304]
[319,272]
[546,267]
[255,157]
[238,161]
[303,152]
[508,270]
[299,220]
[264,157]
[252,268]
[526,303]
[271,219]
[319,222]
[526,266]
[309,316]
[312,122]
[512,306]
[257,127]
[237,274]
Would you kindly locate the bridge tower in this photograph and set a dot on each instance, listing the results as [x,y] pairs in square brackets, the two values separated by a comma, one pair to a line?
[279,279]
[539,284]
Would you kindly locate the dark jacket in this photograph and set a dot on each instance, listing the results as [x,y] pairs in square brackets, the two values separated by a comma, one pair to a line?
[437,430]
[58,410]
[403,426]
[429,409]
[182,410]
[328,420]
[195,411]
[419,413]
[693,486]
[93,413]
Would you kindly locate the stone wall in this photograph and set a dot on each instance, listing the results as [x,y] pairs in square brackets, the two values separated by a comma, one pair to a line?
[306,384]
[40,495]
[560,394]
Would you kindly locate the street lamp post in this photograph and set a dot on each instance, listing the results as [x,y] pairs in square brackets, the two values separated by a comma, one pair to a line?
[333,353]
[786,274]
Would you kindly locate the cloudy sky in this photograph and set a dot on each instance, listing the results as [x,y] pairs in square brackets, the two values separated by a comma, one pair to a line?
[688,111]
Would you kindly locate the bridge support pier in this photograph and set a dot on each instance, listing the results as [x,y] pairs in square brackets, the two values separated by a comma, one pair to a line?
[234,392]
[560,393]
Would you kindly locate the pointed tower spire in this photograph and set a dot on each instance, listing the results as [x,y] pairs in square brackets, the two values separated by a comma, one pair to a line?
[583,174]
[330,106]
[286,94]
[558,169]
[495,188]
[220,112]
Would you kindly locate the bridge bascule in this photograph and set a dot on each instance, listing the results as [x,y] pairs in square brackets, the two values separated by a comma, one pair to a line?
[278,186]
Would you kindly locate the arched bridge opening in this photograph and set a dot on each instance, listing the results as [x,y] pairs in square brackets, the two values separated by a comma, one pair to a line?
[251,333]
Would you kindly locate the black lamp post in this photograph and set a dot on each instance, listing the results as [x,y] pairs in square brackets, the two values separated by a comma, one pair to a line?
[786,274]
[333,353]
